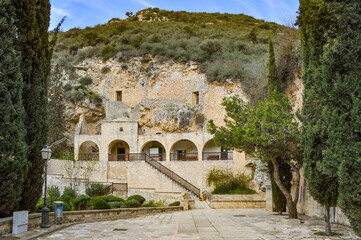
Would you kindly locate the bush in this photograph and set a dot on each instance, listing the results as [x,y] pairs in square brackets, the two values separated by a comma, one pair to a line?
[176,203]
[68,194]
[117,204]
[39,205]
[132,203]
[149,204]
[80,203]
[66,206]
[94,189]
[226,182]
[97,99]
[86,80]
[99,203]
[105,69]
[113,199]
[139,198]
[68,87]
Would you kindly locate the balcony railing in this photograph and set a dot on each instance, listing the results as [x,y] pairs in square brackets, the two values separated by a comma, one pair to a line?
[88,157]
[218,156]
[184,156]
[127,157]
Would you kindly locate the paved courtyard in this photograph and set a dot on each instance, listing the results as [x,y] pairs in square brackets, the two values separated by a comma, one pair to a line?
[200,224]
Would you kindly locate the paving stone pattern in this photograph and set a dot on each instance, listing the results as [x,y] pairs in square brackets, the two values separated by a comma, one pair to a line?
[200,224]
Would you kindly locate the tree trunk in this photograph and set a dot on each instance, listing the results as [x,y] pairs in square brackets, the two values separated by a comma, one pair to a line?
[327,220]
[292,210]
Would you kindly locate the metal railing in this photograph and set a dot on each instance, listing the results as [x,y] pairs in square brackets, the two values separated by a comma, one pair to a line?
[88,157]
[217,155]
[127,157]
[172,175]
[113,187]
[184,156]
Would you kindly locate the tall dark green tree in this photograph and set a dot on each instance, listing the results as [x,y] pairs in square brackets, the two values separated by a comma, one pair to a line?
[56,108]
[314,21]
[32,22]
[13,161]
[341,82]
[331,115]
[274,83]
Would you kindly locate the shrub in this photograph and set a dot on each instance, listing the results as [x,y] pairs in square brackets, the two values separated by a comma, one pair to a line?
[117,204]
[39,205]
[105,69]
[113,199]
[80,203]
[53,195]
[86,80]
[68,87]
[99,203]
[68,194]
[77,96]
[66,206]
[132,203]
[139,198]
[149,204]
[210,47]
[226,182]
[94,189]
[107,51]
[176,203]
[97,99]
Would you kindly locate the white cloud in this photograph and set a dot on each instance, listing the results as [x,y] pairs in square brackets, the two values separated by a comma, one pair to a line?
[60,11]
[144,3]
[270,3]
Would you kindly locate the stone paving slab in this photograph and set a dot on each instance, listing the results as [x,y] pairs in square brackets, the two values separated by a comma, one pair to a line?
[207,224]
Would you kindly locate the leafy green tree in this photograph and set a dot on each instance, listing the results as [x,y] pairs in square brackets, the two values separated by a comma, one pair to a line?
[13,163]
[56,107]
[274,83]
[268,132]
[32,23]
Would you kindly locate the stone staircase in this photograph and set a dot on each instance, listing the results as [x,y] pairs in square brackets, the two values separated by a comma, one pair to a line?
[173,176]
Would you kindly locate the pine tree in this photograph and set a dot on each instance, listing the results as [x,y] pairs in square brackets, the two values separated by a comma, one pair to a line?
[32,22]
[56,109]
[274,83]
[13,162]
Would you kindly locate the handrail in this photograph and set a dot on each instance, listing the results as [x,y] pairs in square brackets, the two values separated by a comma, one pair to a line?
[172,175]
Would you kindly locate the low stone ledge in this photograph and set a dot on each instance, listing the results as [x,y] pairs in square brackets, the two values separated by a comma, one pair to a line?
[87,215]
[238,201]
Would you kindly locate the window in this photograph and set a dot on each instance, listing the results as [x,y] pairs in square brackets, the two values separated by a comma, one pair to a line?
[195,98]
[119,96]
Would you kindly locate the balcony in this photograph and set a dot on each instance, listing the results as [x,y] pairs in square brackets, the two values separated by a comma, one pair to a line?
[213,156]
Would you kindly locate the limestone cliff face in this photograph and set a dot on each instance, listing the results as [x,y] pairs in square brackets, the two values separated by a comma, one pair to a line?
[162,97]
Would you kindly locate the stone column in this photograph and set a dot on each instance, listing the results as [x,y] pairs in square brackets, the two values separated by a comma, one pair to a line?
[269,200]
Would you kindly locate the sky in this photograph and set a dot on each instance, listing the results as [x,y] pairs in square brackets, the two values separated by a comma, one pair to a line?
[84,13]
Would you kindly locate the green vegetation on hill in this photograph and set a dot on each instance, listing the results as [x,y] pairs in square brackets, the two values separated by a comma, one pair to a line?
[227,46]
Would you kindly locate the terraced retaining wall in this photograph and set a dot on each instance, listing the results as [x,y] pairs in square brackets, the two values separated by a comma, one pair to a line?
[87,215]
[238,201]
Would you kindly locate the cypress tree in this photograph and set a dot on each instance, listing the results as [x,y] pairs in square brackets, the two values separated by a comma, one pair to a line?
[32,22]
[56,109]
[13,162]
[317,21]
[341,81]
[274,82]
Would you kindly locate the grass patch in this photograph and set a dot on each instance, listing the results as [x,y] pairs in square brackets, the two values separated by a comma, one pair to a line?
[333,234]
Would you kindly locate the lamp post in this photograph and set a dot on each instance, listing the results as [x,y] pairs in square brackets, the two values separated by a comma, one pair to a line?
[46,154]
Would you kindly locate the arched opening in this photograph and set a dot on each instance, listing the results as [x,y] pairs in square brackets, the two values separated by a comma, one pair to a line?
[155,150]
[211,151]
[184,150]
[88,151]
[118,151]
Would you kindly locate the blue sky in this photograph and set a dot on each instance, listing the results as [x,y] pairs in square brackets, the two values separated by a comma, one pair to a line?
[83,13]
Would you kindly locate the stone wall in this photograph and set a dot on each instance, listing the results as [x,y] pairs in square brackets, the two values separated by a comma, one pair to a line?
[85,216]
[238,201]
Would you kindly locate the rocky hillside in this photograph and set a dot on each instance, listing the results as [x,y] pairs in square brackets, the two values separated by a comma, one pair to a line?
[223,49]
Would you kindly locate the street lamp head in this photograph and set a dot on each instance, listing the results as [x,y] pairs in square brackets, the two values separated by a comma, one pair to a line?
[46,153]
